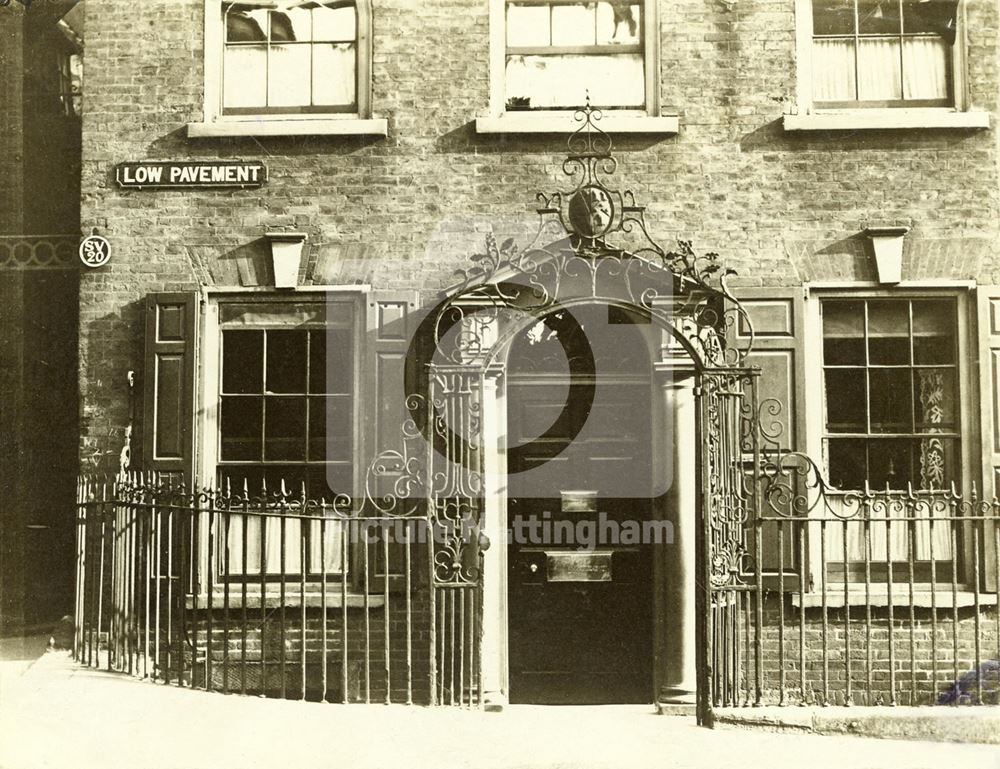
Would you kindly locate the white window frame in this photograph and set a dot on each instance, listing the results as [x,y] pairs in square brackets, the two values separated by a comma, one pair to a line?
[210,381]
[815,418]
[808,117]
[215,123]
[647,120]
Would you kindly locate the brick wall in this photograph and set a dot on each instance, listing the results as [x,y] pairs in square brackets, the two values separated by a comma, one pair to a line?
[930,655]
[780,207]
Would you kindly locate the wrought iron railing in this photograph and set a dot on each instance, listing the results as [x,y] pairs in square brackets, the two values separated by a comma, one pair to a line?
[867,598]
[276,594]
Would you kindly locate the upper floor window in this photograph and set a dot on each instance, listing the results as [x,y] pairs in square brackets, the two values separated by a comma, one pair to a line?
[287,67]
[883,64]
[556,53]
[288,57]
[883,53]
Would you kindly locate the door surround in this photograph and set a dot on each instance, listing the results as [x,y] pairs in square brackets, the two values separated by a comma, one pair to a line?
[673,451]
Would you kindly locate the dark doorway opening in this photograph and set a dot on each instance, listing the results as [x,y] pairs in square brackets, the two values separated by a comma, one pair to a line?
[579,463]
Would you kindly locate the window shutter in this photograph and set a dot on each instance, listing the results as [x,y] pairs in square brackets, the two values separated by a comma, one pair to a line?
[169,384]
[988,301]
[778,318]
[391,322]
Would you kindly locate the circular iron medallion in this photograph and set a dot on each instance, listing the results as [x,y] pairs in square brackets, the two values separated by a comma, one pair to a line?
[591,211]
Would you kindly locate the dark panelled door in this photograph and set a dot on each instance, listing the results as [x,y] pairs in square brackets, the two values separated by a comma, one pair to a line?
[580,604]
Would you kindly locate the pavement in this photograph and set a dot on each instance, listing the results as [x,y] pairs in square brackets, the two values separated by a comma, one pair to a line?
[55,714]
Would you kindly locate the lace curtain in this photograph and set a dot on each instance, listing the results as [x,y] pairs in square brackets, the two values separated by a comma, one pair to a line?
[885,72]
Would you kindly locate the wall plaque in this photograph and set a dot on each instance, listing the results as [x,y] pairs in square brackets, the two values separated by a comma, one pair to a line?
[95,251]
[577,566]
[191,174]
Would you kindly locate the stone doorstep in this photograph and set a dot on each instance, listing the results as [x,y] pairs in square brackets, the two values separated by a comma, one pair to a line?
[935,723]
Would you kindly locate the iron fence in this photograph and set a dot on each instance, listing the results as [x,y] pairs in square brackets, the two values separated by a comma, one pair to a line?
[867,598]
[273,594]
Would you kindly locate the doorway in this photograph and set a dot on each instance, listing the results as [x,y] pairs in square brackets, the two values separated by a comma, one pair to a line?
[579,404]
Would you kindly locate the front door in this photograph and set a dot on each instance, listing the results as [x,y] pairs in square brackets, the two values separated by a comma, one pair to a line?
[579,582]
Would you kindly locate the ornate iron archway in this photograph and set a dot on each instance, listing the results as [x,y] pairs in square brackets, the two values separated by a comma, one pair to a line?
[592,244]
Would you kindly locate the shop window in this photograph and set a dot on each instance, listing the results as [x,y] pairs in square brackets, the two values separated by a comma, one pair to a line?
[557,54]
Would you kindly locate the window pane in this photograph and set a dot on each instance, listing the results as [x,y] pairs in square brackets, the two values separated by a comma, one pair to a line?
[878,17]
[240,429]
[245,81]
[934,333]
[246,26]
[288,76]
[843,333]
[338,429]
[618,23]
[552,82]
[834,70]
[335,23]
[340,361]
[936,462]
[573,25]
[527,25]
[317,429]
[890,399]
[847,463]
[934,16]
[878,69]
[334,74]
[243,362]
[285,429]
[846,410]
[889,333]
[934,397]
[833,17]
[317,362]
[925,68]
[330,434]
[290,25]
[891,462]
[933,317]
[286,361]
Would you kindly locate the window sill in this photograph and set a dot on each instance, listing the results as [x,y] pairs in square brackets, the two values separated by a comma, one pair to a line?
[272,127]
[528,123]
[272,598]
[923,597]
[859,119]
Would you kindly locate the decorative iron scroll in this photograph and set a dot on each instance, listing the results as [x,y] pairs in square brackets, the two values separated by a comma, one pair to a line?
[591,244]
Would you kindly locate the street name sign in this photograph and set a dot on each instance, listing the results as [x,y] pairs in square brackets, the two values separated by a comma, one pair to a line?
[191,174]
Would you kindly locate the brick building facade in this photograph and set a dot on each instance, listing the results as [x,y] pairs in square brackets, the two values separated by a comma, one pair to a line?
[733,134]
